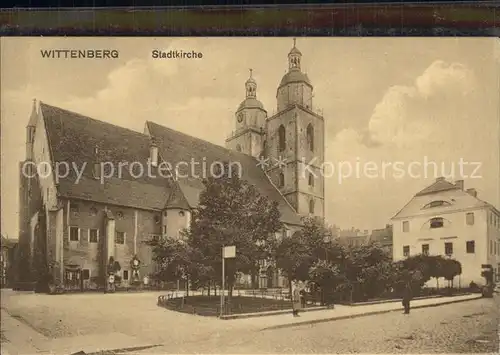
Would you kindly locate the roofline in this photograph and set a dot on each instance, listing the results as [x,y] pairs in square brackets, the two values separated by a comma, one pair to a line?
[433,192]
[442,213]
[66,197]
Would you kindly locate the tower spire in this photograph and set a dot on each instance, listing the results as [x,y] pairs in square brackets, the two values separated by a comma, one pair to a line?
[251,86]
[294,57]
[33,116]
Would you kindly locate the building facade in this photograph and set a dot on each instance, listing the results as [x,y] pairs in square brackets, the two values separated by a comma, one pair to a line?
[444,219]
[383,237]
[75,227]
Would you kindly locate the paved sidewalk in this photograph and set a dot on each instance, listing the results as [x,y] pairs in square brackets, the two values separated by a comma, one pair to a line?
[343,312]
[21,338]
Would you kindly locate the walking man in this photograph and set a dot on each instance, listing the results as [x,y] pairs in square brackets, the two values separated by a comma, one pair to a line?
[407,296]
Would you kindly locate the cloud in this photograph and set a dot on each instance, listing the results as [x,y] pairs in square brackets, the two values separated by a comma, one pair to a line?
[405,114]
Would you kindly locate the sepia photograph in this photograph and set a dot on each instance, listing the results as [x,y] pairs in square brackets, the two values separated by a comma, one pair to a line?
[224,195]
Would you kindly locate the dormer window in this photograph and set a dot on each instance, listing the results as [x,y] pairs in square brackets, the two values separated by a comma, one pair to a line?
[436,222]
[438,203]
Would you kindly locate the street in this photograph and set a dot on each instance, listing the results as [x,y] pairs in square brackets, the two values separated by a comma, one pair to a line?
[465,327]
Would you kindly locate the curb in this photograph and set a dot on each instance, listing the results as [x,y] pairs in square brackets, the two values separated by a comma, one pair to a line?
[324,320]
[270,313]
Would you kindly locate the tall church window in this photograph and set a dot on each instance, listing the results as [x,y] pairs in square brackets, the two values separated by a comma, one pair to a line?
[311,206]
[311,180]
[310,137]
[281,180]
[282,138]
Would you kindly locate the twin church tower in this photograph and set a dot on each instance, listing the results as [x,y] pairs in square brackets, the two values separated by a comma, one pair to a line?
[292,140]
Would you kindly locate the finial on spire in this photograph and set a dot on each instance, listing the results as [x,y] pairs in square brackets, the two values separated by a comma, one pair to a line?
[251,70]
[294,41]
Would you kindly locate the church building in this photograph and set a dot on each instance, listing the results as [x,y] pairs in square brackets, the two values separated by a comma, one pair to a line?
[79,224]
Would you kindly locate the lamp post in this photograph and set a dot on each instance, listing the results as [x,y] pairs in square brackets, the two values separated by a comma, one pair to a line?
[227,252]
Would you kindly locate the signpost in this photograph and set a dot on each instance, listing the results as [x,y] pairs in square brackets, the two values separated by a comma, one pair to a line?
[227,252]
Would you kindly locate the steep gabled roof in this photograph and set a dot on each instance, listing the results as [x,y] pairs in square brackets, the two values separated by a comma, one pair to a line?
[441,190]
[179,147]
[73,138]
[438,186]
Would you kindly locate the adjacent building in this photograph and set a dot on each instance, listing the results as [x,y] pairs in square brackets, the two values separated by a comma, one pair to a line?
[383,237]
[8,270]
[445,219]
[74,226]
[352,236]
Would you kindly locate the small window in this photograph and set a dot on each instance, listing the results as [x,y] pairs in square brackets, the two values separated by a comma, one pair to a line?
[125,275]
[281,138]
[157,219]
[311,180]
[470,247]
[181,213]
[93,235]
[164,229]
[119,214]
[85,274]
[93,211]
[281,182]
[491,246]
[469,219]
[406,250]
[120,238]
[238,147]
[165,213]
[448,248]
[425,249]
[406,226]
[436,223]
[74,234]
[311,206]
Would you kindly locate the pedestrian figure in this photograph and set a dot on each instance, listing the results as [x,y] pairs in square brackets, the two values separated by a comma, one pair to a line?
[296,304]
[302,295]
[407,296]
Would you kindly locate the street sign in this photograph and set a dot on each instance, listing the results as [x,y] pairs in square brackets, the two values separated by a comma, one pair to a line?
[229,252]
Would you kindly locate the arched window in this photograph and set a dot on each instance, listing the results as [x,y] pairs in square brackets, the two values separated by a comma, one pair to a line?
[311,206]
[264,147]
[238,147]
[311,179]
[281,180]
[437,222]
[310,137]
[282,138]
[437,204]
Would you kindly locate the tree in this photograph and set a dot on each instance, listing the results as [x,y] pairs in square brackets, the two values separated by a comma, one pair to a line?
[232,212]
[172,256]
[451,269]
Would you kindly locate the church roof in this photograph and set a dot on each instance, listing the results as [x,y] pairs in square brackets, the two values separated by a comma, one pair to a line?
[295,76]
[295,50]
[250,102]
[73,138]
[179,147]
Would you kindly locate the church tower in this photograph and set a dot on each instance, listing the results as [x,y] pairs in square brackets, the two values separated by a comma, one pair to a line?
[250,123]
[295,141]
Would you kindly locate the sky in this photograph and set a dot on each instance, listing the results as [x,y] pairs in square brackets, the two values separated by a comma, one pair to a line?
[385,101]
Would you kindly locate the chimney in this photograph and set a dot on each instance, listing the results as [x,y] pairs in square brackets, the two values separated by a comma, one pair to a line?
[442,178]
[472,192]
[459,184]
[153,153]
